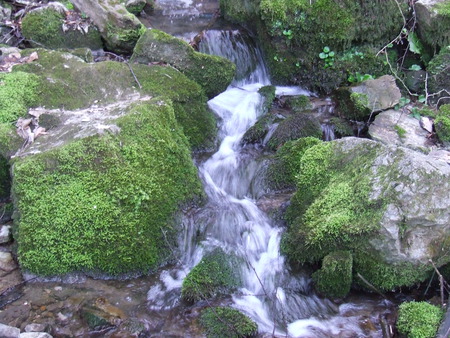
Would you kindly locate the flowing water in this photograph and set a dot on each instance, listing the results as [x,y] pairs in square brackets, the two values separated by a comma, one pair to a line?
[281,302]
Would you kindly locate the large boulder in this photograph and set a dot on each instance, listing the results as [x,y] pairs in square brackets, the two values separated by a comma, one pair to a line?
[359,101]
[119,28]
[433,22]
[99,190]
[213,73]
[439,81]
[388,205]
[48,26]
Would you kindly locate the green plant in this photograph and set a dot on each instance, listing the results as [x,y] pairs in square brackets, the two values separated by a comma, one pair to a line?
[358,77]
[402,103]
[328,56]
[419,319]
[225,322]
[442,123]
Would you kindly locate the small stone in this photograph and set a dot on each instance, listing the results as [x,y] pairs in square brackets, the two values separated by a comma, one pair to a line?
[9,331]
[6,262]
[5,234]
[58,288]
[35,327]
[61,317]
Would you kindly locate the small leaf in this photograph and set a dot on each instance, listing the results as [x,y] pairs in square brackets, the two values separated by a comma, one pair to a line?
[390,45]
[326,49]
[415,67]
[415,45]
[331,54]
[323,55]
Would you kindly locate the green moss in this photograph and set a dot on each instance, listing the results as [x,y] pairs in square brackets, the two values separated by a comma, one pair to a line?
[123,39]
[331,209]
[65,81]
[419,319]
[268,94]
[18,92]
[442,123]
[225,322]
[341,127]
[215,274]
[239,11]
[387,276]
[299,103]
[43,28]
[294,127]
[103,203]
[5,180]
[438,75]
[443,8]
[335,277]
[400,131]
[286,164]
[10,141]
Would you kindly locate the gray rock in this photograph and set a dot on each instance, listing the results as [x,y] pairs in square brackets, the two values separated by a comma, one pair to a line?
[35,327]
[35,335]
[119,28]
[397,128]
[433,27]
[5,234]
[9,331]
[6,262]
[360,101]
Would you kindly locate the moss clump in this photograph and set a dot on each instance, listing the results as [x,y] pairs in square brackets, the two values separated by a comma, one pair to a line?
[286,163]
[211,72]
[215,274]
[335,277]
[239,11]
[331,209]
[400,131]
[439,79]
[5,180]
[123,39]
[442,123]
[18,92]
[43,27]
[341,127]
[294,127]
[268,94]
[299,103]
[419,319]
[65,81]
[103,203]
[225,322]
[10,141]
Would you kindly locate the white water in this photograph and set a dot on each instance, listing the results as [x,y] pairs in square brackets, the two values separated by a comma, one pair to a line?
[281,304]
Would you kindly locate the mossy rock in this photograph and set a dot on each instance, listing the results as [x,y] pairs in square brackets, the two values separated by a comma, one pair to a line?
[350,196]
[104,202]
[433,23]
[294,127]
[226,322]
[65,81]
[44,28]
[239,11]
[442,123]
[341,127]
[419,319]
[299,104]
[268,94]
[215,274]
[334,278]
[438,76]
[213,73]
[5,180]
[286,163]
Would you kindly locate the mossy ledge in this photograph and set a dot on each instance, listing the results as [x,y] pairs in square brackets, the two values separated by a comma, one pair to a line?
[105,203]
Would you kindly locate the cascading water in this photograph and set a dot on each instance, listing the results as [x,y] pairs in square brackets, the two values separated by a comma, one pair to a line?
[281,303]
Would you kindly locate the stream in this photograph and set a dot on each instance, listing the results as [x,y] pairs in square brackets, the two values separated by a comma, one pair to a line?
[281,301]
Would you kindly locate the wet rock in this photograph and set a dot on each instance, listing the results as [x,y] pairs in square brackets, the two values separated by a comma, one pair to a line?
[6,261]
[16,315]
[100,314]
[35,335]
[119,28]
[52,27]
[5,234]
[9,331]
[399,128]
[135,6]
[358,102]
[433,22]
[213,73]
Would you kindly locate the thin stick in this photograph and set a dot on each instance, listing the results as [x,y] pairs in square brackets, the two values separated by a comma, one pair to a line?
[371,286]
[129,66]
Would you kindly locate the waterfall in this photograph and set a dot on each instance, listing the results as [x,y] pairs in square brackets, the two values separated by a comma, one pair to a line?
[279,301]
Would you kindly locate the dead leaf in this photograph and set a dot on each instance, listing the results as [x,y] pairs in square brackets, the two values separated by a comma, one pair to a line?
[426,123]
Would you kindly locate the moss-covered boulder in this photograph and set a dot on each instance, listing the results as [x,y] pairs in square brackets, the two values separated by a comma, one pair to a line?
[135,6]
[213,73]
[101,196]
[387,205]
[65,81]
[335,276]
[215,274]
[419,319]
[433,22]
[239,11]
[439,81]
[119,28]
[294,127]
[358,102]
[226,322]
[442,123]
[46,27]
